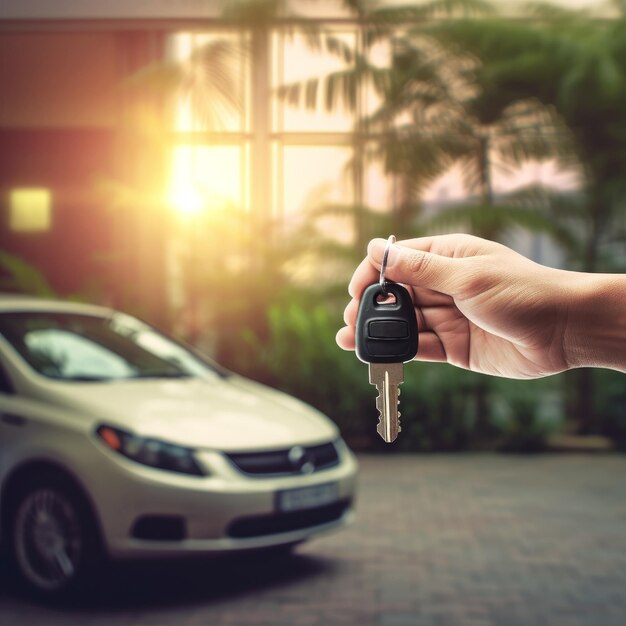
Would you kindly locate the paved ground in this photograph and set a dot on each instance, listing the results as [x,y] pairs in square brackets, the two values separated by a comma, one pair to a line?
[440,541]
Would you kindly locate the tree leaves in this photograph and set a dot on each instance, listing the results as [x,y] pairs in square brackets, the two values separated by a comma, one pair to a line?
[23,277]
[208,79]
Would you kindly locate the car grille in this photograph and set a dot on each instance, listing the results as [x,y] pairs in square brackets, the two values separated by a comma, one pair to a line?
[295,460]
[159,528]
[285,522]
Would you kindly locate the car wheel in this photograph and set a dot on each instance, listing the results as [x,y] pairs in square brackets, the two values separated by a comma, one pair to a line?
[54,540]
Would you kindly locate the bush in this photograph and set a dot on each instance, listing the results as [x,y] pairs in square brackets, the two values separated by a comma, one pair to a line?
[299,355]
[611,405]
[526,412]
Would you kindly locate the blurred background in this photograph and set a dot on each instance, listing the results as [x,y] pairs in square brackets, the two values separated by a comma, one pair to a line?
[217,168]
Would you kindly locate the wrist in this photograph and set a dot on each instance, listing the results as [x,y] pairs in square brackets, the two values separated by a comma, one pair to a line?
[595,329]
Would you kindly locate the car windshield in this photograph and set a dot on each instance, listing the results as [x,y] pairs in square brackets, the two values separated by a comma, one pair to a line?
[77,347]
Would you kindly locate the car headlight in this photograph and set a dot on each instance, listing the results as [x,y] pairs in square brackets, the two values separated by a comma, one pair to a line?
[151,452]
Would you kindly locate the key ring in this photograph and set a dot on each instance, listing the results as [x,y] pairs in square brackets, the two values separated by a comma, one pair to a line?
[382,281]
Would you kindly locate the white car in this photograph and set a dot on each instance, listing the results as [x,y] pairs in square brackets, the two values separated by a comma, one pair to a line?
[117,441]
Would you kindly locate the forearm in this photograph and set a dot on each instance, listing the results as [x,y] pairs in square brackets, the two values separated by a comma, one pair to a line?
[595,333]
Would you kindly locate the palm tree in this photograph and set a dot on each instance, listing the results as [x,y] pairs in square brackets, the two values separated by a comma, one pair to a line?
[207,81]
[578,66]
[431,115]
[492,93]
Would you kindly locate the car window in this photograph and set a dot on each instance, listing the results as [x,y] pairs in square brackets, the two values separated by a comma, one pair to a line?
[94,348]
[6,386]
[70,355]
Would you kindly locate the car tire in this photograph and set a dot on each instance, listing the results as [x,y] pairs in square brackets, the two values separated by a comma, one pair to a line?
[54,543]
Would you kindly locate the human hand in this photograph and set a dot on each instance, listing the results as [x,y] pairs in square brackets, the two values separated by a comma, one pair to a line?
[484,307]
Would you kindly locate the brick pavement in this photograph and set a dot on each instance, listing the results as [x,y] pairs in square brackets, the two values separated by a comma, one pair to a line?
[440,541]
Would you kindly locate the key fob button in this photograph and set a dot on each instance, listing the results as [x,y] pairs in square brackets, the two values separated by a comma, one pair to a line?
[388,329]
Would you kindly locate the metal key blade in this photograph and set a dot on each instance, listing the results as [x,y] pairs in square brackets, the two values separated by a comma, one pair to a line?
[387,377]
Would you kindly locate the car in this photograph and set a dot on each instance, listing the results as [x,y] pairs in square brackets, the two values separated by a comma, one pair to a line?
[116,441]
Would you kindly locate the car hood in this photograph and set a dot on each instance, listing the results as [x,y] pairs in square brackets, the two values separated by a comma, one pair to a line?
[232,414]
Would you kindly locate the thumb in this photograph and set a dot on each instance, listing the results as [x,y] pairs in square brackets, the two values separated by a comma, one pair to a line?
[416,267]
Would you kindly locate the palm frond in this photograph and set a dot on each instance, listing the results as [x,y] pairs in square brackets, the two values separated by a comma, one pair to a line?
[23,277]
[339,48]
[211,81]
[335,90]
[459,8]
[495,221]
[158,78]
[254,12]
[208,80]
[381,20]
[552,12]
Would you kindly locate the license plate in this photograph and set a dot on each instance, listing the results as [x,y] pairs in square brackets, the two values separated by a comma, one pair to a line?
[306,497]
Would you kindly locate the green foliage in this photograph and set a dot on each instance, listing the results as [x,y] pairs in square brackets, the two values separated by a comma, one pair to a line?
[525,413]
[439,405]
[611,406]
[498,221]
[299,355]
[481,93]
[576,66]
[208,79]
[485,93]
[19,276]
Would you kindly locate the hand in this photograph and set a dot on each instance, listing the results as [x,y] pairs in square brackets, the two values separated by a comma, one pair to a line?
[484,307]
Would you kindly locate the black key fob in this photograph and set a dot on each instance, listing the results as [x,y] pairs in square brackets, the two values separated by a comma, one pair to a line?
[386,332]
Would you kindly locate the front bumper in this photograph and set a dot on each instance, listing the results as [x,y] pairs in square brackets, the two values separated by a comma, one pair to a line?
[224,511]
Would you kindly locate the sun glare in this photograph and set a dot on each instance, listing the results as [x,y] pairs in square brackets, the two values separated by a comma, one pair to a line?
[205,178]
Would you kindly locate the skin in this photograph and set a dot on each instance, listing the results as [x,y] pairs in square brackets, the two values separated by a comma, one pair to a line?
[481,306]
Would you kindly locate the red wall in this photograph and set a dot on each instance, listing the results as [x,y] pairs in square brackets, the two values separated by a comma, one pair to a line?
[63,126]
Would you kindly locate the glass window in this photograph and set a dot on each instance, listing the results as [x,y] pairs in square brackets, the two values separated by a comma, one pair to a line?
[379,56]
[75,347]
[377,186]
[206,177]
[212,81]
[311,150]
[319,8]
[68,355]
[313,176]
[296,61]
[6,386]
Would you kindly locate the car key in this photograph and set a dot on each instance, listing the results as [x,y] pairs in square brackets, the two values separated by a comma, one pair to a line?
[386,338]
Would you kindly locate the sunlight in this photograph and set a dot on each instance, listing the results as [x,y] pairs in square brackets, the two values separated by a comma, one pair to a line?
[186,200]
[205,178]
[202,176]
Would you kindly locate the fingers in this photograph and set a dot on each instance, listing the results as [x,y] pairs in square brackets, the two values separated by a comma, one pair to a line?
[455,246]
[364,275]
[351,312]
[424,263]
[432,267]
[430,348]
[345,338]
[417,267]
[422,298]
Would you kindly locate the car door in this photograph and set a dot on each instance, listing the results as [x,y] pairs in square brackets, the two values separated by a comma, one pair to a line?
[10,421]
